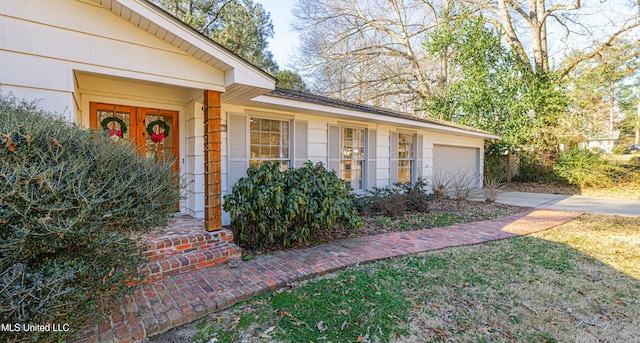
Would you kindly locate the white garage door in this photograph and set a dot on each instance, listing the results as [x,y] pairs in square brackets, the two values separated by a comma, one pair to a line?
[456,164]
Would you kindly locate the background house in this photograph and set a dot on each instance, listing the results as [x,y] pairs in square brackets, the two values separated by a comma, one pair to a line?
[93,60]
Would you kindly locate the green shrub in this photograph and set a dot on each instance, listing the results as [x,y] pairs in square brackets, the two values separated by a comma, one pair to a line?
[495,167]
[618,150]
[584,168]
[532,169]
[394,201]
[271,208]
[71,200]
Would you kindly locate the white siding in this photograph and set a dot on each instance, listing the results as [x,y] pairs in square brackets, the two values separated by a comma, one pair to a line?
[44,42]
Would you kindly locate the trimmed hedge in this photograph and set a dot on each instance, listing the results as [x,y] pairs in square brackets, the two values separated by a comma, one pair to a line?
[71,202]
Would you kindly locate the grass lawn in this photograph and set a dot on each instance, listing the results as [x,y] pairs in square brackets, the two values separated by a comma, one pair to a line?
[579,282]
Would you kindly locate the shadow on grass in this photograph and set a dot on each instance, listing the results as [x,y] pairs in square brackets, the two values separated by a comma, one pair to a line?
[558,285]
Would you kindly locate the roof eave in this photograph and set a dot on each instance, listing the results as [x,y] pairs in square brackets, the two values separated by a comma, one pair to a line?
[237,69]
[288,104]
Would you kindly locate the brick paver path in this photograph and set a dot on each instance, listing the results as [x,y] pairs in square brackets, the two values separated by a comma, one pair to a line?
[169,303]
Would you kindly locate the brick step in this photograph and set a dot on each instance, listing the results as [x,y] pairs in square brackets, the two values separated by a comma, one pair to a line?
[175,244]
[185,247]
[189,261]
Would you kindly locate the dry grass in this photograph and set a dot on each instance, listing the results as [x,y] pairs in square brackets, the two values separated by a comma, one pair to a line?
[613,240]
[628,191]
[578,282]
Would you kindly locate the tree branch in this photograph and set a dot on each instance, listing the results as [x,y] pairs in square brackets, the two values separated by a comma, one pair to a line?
[603,46]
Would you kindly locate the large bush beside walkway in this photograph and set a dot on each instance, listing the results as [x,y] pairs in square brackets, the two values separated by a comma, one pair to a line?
[71,202]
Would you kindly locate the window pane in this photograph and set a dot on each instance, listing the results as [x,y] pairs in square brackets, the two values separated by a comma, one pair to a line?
[269,141]
[405,157]
[352,156]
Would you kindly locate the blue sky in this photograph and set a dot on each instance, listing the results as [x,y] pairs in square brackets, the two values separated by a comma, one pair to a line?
[283,44]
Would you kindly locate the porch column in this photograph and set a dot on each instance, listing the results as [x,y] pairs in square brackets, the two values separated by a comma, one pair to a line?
[212,162]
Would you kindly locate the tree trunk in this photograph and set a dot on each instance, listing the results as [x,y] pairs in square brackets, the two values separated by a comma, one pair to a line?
[638,126]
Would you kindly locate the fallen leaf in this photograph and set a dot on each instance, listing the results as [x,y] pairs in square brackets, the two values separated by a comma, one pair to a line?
[321,327]
[359,339]
[269,329]
[55,141]
[11,147]
[344,325]
[620,302]
[236,321]
[344,312]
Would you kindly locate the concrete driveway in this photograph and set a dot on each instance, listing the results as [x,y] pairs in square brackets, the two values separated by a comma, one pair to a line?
[576,203]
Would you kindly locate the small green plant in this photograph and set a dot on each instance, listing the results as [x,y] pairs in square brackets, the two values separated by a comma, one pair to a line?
[383,221]
[271,208]
[618,150]
[71,202]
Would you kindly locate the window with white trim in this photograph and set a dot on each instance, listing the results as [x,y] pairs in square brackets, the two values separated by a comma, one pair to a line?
[269,142]
[352,156]
[406,157]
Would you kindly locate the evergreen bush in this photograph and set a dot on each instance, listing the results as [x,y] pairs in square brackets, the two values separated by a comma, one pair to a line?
[272,208]
[71,202]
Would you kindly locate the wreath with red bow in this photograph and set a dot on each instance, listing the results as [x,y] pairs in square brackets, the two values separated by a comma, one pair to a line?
[158,137]
[112,131]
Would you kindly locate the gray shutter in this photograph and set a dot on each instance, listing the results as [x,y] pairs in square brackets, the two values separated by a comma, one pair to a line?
[300,144]
[333,145]
[393,158]
[419,157]
[372,156]
[238,140]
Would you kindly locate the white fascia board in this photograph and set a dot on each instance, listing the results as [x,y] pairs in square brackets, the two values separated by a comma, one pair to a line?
[253,75]
[369,117]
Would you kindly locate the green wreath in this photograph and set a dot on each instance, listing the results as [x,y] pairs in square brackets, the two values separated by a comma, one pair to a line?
[157,138]
[105,126]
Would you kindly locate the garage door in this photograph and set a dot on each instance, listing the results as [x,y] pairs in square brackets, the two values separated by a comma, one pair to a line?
[452,164]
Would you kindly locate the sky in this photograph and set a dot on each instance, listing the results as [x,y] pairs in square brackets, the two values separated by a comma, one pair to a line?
[285,40]
[282,45]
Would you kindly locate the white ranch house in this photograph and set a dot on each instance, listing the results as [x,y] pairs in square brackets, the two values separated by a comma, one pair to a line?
[95,59]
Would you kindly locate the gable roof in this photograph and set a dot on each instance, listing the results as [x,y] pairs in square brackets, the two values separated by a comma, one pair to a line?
[156,21]
[337,103]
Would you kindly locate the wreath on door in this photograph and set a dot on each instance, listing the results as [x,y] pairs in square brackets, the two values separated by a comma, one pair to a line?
[112,130]
[158,130]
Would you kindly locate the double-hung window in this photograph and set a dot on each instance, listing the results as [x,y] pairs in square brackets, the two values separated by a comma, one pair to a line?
[269,142]
[352,156]
[406,157]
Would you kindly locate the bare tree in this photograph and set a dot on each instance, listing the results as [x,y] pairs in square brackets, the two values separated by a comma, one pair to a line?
[372,51]
[369,51]
[525,26]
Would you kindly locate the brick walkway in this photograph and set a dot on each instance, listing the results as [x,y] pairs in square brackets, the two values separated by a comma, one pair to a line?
[162,305]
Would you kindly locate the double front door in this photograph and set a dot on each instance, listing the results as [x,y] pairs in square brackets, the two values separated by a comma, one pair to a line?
[153,131]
